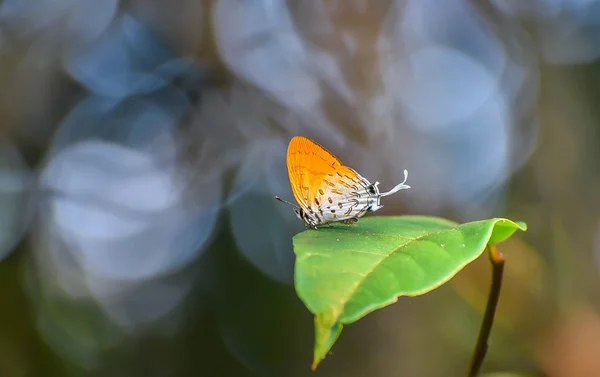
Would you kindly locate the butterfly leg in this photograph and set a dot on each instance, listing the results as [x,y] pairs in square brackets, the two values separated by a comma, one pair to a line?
[328,225]
[352,220]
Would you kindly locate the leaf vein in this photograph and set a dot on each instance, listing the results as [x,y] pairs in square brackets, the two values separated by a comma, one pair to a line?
[378,263]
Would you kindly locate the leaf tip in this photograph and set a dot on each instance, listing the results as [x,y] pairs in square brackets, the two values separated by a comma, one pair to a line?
[327,330]
[314,365]
[522,225]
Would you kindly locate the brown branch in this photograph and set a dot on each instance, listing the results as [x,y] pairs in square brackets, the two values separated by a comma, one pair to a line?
[497,260]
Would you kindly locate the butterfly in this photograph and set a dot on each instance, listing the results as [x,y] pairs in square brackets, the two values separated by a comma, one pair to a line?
[326,190]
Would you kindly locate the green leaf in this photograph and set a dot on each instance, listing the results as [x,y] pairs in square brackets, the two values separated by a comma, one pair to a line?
[344,272]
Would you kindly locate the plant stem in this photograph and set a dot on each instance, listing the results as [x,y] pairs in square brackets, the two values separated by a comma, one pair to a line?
[497,260]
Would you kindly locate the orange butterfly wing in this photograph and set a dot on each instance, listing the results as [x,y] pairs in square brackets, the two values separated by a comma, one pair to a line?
[308,165]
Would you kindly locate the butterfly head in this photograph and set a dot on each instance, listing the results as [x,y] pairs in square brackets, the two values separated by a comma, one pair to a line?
[299,213]
[308,220]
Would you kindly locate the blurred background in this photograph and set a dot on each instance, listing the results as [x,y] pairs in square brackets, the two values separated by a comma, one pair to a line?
[142,143]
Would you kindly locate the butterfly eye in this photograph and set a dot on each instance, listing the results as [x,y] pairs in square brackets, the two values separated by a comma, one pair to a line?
[371,189]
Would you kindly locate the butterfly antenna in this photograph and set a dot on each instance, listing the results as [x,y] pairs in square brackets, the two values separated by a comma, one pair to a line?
[398,187]
[285,201]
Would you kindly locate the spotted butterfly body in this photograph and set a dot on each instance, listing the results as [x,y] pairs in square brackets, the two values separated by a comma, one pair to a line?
[326,190]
